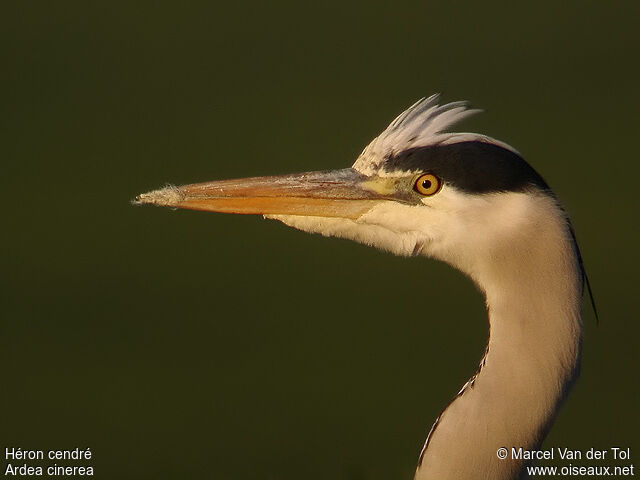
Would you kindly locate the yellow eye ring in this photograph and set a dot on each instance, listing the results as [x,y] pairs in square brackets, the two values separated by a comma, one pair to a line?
[427,184]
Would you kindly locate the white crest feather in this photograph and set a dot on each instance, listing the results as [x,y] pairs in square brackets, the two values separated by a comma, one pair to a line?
[421,125]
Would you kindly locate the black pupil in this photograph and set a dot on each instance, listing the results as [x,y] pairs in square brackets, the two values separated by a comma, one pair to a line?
[426,184]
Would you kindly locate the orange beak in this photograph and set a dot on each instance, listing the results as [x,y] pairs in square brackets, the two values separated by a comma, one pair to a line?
[339,193]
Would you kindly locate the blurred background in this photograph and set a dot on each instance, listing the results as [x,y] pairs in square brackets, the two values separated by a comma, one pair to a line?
[180,344]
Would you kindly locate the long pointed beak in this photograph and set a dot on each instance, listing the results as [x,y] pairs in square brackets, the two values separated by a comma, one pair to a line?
[340,193]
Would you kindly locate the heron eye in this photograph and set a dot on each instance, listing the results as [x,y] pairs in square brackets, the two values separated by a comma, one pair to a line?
[427,184]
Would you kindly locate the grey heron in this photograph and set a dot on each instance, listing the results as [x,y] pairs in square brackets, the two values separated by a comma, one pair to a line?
[475,203]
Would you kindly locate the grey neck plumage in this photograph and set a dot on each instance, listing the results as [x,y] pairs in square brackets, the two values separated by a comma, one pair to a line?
[533,301]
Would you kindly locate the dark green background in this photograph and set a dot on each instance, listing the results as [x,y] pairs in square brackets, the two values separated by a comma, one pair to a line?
[192,345]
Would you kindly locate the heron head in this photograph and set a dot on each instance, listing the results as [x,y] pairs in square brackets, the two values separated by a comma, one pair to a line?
[414,190]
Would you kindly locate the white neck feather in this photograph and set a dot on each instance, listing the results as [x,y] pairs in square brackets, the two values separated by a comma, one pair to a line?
[533,299]
[518,249]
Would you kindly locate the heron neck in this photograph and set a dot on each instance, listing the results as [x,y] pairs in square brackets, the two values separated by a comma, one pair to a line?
[531,357]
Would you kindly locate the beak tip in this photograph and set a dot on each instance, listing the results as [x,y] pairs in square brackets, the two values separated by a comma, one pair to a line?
[169,196]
